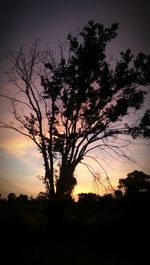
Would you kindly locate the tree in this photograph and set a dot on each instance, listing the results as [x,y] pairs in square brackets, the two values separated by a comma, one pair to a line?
[11,197]
[23,198]
[41,197]
[118,194]
[71,105]
[87,197]
[135,183]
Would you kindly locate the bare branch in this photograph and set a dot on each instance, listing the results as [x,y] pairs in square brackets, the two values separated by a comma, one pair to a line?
[9,126]
[102,169]
[96,178]
[13,99]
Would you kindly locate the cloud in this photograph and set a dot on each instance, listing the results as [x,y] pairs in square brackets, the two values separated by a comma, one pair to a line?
[17,146]
[30,187]
[19,168]
[24,151]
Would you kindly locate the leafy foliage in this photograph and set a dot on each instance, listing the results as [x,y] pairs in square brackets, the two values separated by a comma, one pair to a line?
[82,102]
[136,182]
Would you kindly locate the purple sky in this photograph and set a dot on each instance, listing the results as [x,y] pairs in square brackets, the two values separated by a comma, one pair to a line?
[21,22]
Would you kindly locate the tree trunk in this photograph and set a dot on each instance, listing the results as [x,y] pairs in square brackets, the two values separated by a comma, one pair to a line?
[66,182]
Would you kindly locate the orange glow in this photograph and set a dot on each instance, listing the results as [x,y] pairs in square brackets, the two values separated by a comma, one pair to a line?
[21,176]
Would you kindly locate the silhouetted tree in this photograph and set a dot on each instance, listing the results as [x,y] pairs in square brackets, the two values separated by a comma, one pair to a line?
[75,104]
[118,194]
[42,197]
[11,197]
[88,201]
[23,198]
[136,182]
[87,196]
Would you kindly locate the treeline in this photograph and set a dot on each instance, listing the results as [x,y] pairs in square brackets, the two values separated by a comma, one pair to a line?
[135,186]
[108,229]
[24,198]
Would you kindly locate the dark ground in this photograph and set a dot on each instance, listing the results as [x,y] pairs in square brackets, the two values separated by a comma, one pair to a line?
[110,232]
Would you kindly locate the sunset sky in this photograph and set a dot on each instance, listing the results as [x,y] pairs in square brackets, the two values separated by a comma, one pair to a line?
[21,22]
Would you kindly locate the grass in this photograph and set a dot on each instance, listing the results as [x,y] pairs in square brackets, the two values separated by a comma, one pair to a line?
[99,237]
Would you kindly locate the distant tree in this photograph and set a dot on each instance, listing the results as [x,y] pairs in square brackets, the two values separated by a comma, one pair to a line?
[11,197]
[118,194]
[88,200]
[42,197]
[23,198]
[107,201]
[136,182]
[87,197]
[71,105]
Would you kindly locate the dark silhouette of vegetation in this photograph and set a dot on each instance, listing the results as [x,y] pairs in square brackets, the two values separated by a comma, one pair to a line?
[76,103]
[108,229]
[11,197]
[135,183]
[22,198]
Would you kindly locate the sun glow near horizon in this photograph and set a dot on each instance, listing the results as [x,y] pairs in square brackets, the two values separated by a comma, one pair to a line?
[21,163]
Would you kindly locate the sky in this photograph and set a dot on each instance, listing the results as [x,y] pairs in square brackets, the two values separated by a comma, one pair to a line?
[21,22]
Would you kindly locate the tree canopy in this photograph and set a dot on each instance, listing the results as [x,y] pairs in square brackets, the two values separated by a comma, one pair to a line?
[136,182]
[76,103]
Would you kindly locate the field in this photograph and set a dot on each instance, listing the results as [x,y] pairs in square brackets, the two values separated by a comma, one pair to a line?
[110,232]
